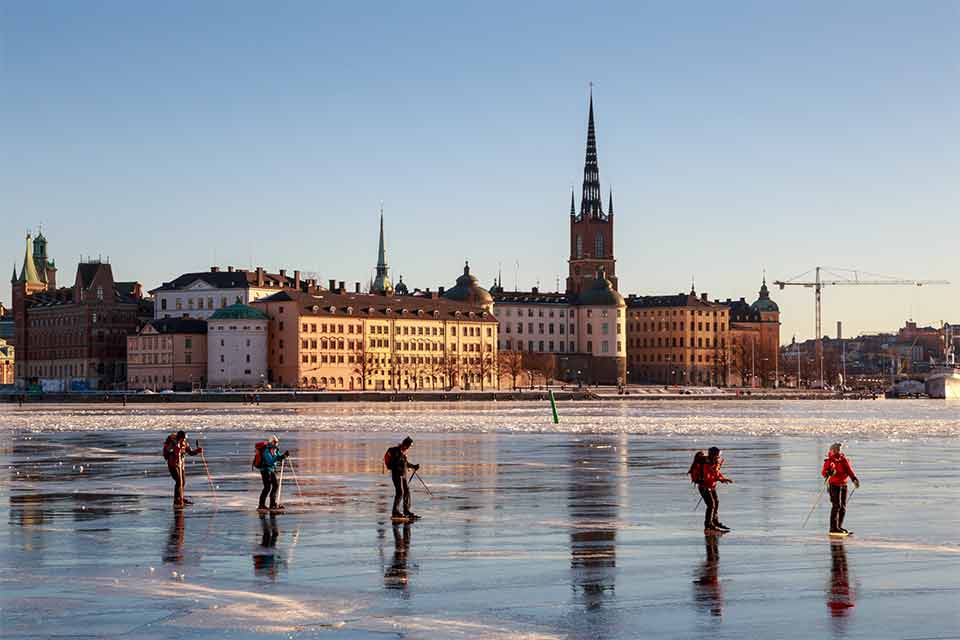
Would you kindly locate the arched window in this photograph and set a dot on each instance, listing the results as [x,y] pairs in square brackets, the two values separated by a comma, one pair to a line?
[579,246]
[598,246]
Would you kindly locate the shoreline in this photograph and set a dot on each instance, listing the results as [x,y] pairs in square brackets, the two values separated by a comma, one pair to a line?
[319,397]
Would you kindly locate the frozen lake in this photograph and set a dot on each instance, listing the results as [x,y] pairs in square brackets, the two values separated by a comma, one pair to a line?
[585,529]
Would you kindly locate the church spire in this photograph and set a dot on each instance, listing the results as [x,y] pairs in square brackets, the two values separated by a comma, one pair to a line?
[573,206]
[382,284]
[591,203]
[610,206]
[29,273]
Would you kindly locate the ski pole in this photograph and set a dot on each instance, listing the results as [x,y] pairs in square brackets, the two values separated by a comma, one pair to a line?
[280,484]
[850,497]
[430,493]
[203,459]
[816,502]
[294,472]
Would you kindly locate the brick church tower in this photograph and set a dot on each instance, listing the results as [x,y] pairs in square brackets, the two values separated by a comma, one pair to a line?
[591,231]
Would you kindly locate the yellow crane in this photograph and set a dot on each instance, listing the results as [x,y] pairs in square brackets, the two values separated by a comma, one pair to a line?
[836,277]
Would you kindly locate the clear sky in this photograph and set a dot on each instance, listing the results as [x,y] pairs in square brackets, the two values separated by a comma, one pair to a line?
[737,136]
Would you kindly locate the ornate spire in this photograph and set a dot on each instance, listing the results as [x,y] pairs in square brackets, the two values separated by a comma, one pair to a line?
[381,284]
[764,292]
[591,203]
[610,206]
[29,273]
[573,207]
[14,278]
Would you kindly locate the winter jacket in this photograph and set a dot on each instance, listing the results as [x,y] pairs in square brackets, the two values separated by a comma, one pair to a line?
[711,474]
[271,457]
[399,462]
[177,452]
[841,467]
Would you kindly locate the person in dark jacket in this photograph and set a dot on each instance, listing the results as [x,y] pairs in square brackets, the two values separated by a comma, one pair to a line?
[268,473]
[398,464]
[837,470]
[709,476]
[175,449]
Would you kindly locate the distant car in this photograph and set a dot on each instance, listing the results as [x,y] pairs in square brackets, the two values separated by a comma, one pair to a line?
[148,392]
[167,391]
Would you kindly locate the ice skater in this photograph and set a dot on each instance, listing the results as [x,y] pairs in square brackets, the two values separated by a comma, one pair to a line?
[837,470]
[705,473]
[395,459]
[175,449]
[269,460]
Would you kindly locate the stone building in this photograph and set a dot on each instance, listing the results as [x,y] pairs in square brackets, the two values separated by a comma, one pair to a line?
[581,329]
[237,338]
[168,353]
[355,341]
[754,340]
[199,294]
[7,360]
[682,339]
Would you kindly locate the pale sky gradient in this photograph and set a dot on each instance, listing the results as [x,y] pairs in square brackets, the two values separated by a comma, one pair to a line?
[737,136]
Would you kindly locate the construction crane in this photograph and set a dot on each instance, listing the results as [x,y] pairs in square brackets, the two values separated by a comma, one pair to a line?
[836,279]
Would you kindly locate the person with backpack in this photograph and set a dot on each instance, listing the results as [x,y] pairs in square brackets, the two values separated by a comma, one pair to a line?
[705,473]
[175,449]
[395,459]
[266,459]
[837,470]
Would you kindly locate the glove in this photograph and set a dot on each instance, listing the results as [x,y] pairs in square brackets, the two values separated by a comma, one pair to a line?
[286,454]
[200,450]
[416,467]
[726,480]
[830,472]
[856,483]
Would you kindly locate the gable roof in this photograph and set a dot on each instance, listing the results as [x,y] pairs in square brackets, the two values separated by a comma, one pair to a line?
[237,279]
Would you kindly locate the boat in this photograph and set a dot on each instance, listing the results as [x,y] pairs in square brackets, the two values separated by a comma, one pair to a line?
[944,382]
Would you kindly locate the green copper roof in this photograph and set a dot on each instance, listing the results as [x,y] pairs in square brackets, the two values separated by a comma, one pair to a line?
[238,312]
[600,294]
[29,273]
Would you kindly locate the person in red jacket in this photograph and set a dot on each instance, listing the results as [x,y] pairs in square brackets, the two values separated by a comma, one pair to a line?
[174,449]
[837,470]
[706,473]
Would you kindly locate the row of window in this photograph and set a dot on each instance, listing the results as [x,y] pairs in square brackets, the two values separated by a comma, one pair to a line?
[548,346]
[199,303]
[673,357]
[677,312]
[674,326]
[675,342]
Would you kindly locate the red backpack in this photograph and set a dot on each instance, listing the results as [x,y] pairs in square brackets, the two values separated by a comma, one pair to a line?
[696,469]
[169,445]
[258,454]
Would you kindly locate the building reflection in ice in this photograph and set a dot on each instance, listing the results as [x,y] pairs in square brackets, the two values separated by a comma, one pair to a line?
[596,472]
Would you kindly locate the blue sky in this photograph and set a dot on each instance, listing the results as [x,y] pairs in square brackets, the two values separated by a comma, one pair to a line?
[736,136]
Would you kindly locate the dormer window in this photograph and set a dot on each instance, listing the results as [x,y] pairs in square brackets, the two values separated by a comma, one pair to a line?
[333,309]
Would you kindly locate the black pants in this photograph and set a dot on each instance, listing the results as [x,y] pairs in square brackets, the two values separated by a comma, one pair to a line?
[401,492]
[179,483]
[270,486]
[838,500]
[712,503]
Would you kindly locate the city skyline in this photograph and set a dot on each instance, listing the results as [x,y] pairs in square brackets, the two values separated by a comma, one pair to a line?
[183,178]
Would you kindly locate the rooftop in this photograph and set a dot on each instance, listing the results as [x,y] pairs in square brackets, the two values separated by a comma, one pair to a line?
[369,305]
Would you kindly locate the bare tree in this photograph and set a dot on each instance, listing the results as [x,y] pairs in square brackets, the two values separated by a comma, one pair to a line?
[363,363]
[510,363]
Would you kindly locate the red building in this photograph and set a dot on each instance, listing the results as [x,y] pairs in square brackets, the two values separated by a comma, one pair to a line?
[74,337]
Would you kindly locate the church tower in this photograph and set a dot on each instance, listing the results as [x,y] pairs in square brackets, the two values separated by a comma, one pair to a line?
[382,284]
[591,230]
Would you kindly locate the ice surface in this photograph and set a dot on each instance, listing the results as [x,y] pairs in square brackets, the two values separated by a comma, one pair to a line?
[583,530]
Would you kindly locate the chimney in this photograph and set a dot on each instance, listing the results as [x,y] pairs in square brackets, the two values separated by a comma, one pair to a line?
[260,279]
[703,297]
[332,285]
[283,275]
[356,287]
[434,295]
[342,288]
[214,269]
[230,269]
[296,279]
[536,290]
[440,291]
[839,330]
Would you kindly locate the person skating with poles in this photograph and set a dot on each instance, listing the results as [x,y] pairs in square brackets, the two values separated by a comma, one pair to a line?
[395,459]
[175,449]
[269,457]
[705,473]
[837,470]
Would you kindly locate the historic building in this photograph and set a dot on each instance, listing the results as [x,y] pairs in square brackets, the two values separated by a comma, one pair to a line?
[198,295]
[7,360]
[582,328]
[339,340]
[237,338]
[682,339]
[168,353]
[73,338]
[754,340]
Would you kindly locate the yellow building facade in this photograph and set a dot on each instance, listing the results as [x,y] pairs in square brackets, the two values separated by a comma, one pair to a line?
[356,341]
